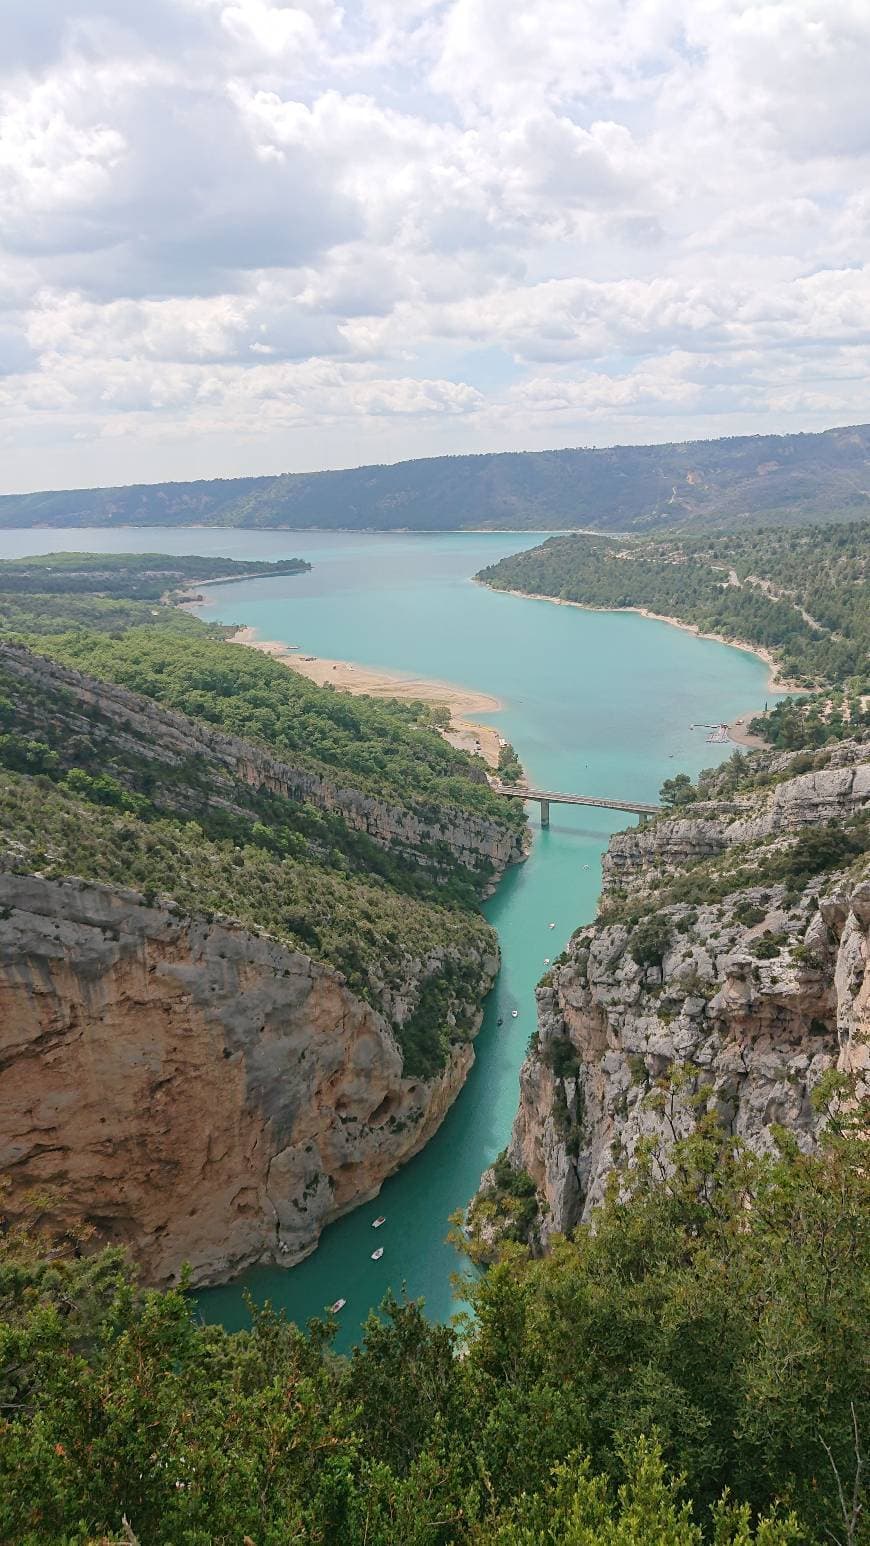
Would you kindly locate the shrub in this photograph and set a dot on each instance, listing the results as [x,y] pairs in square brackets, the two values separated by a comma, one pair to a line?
[768,946]
[650,940]
[561,1056]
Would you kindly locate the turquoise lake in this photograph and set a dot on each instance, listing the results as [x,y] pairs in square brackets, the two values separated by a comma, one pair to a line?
[595,703]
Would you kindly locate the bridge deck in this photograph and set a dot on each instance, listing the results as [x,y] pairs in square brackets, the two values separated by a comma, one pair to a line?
[516,792]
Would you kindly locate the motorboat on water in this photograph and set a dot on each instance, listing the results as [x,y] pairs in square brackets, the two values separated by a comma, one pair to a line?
[514,1013]
[376,1255]
[376,1223]
[546,960]
[338,1305]
[552,925]
[500,1020]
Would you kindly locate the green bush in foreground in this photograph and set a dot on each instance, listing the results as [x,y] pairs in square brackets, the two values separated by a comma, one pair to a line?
[694,1371]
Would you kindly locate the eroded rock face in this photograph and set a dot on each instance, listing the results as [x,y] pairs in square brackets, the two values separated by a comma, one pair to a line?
[808,799]
[195,1091]
[754,1028]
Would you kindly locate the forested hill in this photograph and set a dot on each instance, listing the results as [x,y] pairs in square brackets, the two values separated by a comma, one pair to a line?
[131,576]
[57,592]
[785,478]
[802,595]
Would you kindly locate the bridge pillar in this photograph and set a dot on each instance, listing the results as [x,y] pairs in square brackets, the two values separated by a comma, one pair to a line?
[545,813]
[643,818]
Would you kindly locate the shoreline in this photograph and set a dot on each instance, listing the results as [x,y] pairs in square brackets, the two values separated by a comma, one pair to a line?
[192,594]
[775,682]
[464,732]
[739,734]
[343,531]
[185,598]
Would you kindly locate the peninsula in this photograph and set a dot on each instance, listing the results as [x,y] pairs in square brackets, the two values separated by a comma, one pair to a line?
[797,599]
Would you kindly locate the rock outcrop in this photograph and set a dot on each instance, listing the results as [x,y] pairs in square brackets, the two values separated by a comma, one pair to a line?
[819,795]
[738,1004]
[190,1089]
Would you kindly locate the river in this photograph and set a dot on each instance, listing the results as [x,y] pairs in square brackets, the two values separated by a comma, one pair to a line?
[595,703]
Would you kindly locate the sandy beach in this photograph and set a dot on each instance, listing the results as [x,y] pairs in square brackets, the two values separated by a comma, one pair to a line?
[462,702]
[739,733]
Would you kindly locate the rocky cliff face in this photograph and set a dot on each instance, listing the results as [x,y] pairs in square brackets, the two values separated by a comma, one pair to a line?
[191,1086]
[192,1090]
[834,792]
[742,1001]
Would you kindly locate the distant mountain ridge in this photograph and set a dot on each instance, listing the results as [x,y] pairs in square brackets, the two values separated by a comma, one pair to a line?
[769,478]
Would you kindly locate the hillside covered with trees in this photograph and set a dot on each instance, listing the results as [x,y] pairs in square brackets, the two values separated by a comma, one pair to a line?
[787,478]
[694,1370]
[130,576]
[184,664]
[800,595]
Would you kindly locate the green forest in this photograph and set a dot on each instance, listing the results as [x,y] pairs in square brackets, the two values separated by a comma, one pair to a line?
[802,595]
[693,1371]
[706,483]
[133,576]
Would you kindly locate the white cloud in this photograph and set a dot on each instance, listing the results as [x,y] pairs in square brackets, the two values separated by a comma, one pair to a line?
[277,30]
[405,228]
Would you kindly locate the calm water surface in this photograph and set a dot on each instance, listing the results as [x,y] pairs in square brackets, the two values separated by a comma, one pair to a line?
[597,703]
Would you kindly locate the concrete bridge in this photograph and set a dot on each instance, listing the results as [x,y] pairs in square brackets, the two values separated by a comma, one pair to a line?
[546,798]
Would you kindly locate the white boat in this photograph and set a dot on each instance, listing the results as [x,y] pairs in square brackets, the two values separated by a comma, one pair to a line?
[514,1013]
[546,960]
[552,925]
[378,1222]
[376,1255]
[338,1305]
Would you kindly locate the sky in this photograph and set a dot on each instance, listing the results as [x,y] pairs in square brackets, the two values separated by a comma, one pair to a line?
[247,236]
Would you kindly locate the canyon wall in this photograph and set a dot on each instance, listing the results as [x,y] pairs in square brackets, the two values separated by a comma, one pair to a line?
[738,1004]
[189,1089]
[185,1084]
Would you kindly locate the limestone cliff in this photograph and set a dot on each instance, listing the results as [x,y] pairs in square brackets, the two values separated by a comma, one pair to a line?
[732,946]
[194,1091]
